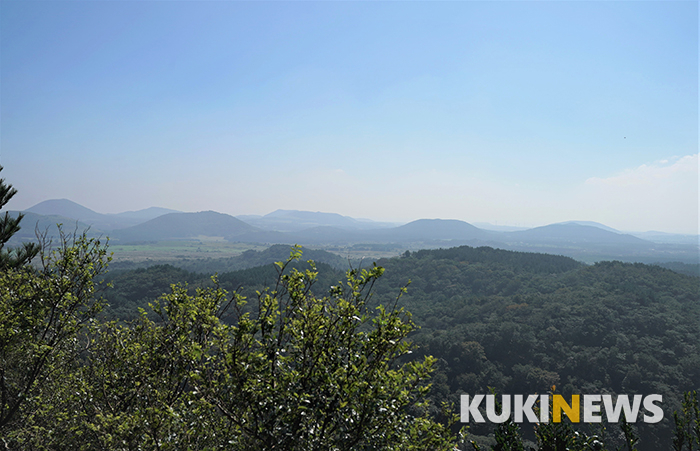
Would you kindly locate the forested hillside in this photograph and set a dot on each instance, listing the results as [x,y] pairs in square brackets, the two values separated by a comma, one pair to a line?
[134,289]
[518,322]
[521,323]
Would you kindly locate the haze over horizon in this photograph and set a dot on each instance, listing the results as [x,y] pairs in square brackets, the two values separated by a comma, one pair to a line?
[478,224]
[511,113]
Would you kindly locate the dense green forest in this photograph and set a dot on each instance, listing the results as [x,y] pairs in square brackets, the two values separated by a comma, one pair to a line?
[516,322]
[521,323]
[298,355]
[682,268]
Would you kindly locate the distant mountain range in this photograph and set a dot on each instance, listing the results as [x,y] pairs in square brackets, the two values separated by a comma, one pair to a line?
[70,209]
[295,221]
[34,223]
[583,240]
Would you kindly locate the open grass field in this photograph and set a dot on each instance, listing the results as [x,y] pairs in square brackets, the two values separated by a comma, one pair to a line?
[175,250]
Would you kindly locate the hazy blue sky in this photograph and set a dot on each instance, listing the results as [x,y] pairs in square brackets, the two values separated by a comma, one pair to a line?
[517,112]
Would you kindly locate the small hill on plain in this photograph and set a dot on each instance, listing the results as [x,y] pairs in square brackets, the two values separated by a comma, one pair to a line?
[251,259]
[436,229]
[574,232]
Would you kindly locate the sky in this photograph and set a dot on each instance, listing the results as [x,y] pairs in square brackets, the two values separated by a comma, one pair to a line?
[509,112]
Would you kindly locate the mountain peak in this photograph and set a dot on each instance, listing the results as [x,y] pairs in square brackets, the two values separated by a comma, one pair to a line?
[185,226]
[64,207]
[591,224]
